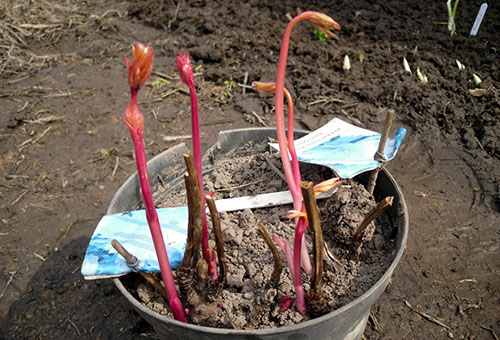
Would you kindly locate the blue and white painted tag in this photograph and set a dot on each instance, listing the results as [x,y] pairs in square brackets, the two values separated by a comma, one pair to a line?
[345,148]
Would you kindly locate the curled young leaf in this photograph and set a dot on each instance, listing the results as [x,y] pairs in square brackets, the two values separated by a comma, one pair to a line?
[139,69]
[324,23]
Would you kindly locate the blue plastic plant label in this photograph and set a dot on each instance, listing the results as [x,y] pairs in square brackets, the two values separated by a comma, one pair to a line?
[132,231]
[345,148]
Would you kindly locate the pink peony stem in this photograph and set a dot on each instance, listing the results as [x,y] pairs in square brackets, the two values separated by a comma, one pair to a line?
[154,226]
[270,87]
[187,77]
[304,253]
[291,143]
[289,258]
[139,71]
[323,23]
[297,278]
[305,259]
[279,242]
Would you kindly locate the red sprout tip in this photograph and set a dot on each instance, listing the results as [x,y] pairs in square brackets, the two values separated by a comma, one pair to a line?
[286,302]
[139,70]
[324,23]
[185,68]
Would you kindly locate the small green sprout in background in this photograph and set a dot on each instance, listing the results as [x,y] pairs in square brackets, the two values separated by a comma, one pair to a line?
[406,65]
[229,83]
[452,11]
[461,66]
[451,17]
[347,63]
[476,78]
[361,57]
[159,82]
[422,77]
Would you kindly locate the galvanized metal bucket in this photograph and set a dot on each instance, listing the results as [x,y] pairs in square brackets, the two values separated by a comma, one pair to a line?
[345,323]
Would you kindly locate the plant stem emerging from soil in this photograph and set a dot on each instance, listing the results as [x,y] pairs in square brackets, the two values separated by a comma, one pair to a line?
[357,239]
[195,208]
[323,23]
[219,242]
[278,266]
[380,150]
[270,87]
[186,74]
[139,71]
[293,260]
[316,300]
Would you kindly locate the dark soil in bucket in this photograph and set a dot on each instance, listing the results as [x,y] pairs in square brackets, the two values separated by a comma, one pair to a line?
[250,300]
[64,151]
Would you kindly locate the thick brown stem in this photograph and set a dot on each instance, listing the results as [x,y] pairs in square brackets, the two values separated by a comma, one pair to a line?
[316,300]
[357,239]
[278,265]
[380,151]
[219,242]
[193,242]
[195,206]
[131,259]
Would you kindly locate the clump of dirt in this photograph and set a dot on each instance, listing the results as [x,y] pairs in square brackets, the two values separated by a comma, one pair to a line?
[249,300]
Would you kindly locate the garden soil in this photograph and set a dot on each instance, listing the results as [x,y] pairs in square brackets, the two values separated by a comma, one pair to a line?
[64,151]
[250,298]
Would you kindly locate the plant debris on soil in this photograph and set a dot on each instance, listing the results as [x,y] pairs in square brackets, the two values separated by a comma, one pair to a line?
[64,151]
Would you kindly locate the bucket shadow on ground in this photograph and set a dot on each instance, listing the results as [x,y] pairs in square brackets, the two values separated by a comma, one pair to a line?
[60,304]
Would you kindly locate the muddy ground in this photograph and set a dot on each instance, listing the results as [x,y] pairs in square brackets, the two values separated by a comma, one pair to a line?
[64,151]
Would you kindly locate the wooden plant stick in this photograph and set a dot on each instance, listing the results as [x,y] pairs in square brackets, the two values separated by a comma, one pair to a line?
[132,262]
[278,265]
[219,242]
[373,214]
[316,300]
[380,151]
